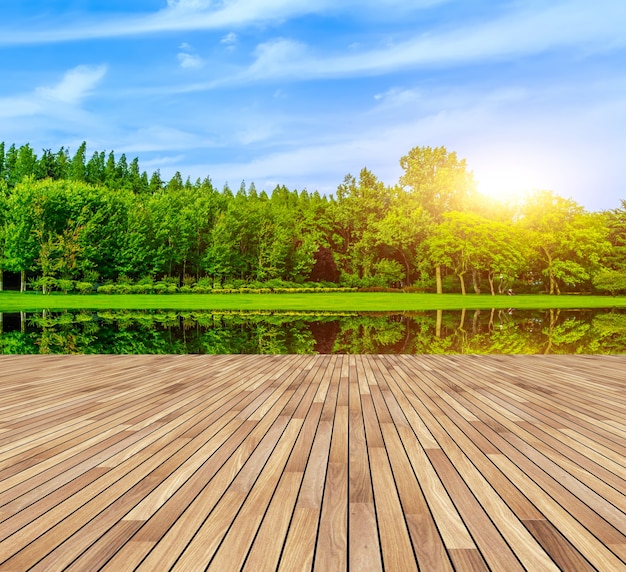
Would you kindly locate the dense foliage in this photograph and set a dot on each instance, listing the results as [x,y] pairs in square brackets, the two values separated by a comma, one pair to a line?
[71,223]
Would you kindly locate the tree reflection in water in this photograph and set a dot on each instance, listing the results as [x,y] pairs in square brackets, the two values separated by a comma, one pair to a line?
[170,332]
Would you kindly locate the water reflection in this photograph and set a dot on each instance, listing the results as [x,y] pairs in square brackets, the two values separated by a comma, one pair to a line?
[170,332]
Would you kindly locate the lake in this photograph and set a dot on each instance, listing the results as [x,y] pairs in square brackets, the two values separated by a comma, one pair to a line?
[209,332]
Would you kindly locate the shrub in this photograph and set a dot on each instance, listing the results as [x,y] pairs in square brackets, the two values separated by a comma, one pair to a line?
[106,289]
[414,289]
[189,280]
[84,287]
[169,280]
[65,285]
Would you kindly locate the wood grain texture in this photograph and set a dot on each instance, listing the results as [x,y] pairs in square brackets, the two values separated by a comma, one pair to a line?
[313,462]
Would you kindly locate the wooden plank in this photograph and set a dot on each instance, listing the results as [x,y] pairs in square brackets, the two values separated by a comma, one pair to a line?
[313,462]
[331,551]
[364,552]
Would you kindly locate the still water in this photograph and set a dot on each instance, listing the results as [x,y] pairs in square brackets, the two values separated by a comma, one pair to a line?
[171,332]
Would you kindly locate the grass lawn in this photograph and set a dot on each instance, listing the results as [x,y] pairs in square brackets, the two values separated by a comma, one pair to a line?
[348,301]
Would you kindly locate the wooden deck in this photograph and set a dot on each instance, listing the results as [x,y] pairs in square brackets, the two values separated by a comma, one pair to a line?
[326,462]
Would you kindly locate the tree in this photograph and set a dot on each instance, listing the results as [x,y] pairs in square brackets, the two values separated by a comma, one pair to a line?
[94,170]
[325,267]
[358,205]
[450,245]
[440,181]
[569,242]
[613,281]
[616,223]
[403,229]
[77,168]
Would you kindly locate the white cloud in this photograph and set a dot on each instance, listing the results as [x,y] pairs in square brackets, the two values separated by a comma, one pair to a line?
[190,61]
[517,34]
[180,15]
[276,58]
[76,84]
[229,39]
[396,97]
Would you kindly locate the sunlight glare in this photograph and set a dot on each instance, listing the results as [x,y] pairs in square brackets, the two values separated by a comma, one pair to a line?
[507,185]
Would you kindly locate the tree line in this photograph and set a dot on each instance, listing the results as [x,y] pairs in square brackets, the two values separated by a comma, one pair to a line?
[67,221]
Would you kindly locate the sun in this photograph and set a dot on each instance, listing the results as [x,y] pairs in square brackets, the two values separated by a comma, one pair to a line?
[506,185]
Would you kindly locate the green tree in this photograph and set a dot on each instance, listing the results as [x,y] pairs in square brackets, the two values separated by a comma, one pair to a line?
[403,229]
[358,206]
[616,223]
[569,242]
[440,181]
[77,168]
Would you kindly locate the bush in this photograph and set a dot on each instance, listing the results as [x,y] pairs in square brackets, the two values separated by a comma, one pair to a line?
[413,289]
[65,285]
[44,284]
[170,280]
[84,287]
[106,289]
[189,280]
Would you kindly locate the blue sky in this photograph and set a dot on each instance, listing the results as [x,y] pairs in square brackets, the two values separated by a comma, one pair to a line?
[301,92]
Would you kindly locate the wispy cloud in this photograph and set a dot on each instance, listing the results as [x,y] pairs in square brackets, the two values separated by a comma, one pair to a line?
[182,15]
[188,58]
[192,61]
[525,32]
[76,85]
[230,40]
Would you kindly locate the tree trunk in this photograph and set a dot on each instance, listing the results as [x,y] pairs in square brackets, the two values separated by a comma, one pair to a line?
[550,275]
[406,265]
[1,280]
[23,281]
[475,281]
[476,322]
[439,320]
[490,278]
[438,275]
[462,280]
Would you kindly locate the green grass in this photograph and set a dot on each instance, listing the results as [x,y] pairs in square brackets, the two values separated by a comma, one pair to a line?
[353,301]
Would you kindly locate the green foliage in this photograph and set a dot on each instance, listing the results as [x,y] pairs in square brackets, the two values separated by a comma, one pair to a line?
[84,287]
[66,220]
[612,281]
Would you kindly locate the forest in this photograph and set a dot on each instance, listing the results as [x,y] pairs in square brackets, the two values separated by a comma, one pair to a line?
[72,223]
